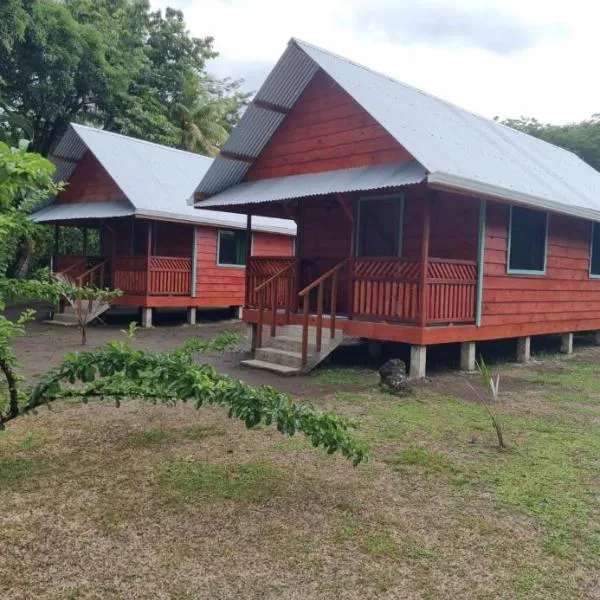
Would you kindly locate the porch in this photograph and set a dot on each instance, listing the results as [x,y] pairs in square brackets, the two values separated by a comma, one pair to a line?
[402,267]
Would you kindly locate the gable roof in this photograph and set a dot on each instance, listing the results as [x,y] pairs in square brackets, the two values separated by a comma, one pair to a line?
[459,149]
[156,180]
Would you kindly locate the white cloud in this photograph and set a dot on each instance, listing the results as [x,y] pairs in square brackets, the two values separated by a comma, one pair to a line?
[501,57]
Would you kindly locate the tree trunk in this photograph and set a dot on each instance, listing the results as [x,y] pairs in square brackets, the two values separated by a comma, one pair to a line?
[13,392]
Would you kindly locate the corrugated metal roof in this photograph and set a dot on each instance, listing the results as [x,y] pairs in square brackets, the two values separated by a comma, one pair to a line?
[458,148]
[157,180]
[83,210]
[315,184]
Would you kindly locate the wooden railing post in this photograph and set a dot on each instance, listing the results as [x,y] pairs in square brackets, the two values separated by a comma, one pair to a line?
[305,329]
[319,315]
[424,304]
[334,286]
[259,326]
[274,285]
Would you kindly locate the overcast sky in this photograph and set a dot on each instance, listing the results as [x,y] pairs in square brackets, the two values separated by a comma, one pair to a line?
[496,57]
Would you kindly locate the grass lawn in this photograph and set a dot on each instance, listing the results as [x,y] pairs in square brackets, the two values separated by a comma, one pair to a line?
[158,502]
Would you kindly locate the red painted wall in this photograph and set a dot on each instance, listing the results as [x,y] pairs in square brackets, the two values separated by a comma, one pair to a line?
[90,183]
[224,286]
[565,299]
[325,130]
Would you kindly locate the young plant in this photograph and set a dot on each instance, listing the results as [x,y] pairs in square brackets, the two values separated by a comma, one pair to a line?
[492,384]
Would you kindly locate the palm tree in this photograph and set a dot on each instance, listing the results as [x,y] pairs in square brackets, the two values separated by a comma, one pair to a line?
[200,121]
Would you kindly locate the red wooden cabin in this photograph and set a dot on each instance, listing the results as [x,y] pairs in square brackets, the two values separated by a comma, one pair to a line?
[418,222]
[154,247]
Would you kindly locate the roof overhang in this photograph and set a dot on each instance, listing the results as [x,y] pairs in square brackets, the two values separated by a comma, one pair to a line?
[280,189]
[82,211]
[445,181]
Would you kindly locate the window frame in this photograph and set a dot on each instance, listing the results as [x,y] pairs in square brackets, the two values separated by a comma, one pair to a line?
[400,238]
[534,272]
[593,228]
[230,265]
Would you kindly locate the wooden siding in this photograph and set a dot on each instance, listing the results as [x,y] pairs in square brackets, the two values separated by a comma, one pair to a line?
[172,239]
[564,299]
[325,130]
[268,244]
[224,286]
[90,183]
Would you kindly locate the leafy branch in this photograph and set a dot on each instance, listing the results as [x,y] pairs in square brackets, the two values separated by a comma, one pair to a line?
[117,371]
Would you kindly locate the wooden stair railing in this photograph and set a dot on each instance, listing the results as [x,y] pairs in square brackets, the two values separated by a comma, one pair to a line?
[273,283]
[65,273]
[304,295]
[88,278]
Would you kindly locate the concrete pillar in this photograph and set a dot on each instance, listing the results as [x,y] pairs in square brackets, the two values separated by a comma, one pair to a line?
[146,317]
[597,338]
[251,335]
[523,349]
[566,343]
[238,312]
[467,356]
[191,315]
[418,360]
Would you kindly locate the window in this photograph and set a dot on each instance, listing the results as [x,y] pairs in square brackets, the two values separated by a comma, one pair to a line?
[380,226]
[527,240]
[231,248]
[595,251]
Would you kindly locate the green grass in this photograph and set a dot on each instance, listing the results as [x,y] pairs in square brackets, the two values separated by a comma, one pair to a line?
[19,470]
[199,432]
[254,482]
[150,437]
[346,376]
[419,457]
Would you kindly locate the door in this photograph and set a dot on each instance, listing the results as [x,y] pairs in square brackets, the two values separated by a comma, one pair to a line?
[380,226]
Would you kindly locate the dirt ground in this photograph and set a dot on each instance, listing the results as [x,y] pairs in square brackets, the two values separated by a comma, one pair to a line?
[174,503]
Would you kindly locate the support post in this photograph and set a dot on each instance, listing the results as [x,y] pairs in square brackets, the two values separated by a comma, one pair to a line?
[467,356]
[480,260]
[247,289]
[191,315]
[194,261]
[148,254]
[251,330]
[299,252]
[84,233]
[238,311]
[146,317]
[523,349]
[566,343]
[418,362]
[597,338]
[56,246]
[424,296]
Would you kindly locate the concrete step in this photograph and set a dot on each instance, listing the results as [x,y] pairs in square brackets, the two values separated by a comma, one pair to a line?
[295,332]
[268,366]
[279,357]
[285,342]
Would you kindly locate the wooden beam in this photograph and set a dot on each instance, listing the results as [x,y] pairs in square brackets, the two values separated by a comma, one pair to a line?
[424,297]
[239,157]
[288,211]
[148,254]
[270,106]
[480,260]
[342,202]
[248,254]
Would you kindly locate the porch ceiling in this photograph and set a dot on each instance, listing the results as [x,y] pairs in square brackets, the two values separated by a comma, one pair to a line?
[79,211]
[316,184]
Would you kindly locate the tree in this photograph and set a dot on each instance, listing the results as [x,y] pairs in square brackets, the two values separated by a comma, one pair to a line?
[582,138]
[110,63]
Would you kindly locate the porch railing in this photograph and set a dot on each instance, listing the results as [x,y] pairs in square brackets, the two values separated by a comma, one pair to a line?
[386,289]
[154,276]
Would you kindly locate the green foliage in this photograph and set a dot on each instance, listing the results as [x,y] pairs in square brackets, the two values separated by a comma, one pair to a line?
[582,138]
[112,63]
[116,370]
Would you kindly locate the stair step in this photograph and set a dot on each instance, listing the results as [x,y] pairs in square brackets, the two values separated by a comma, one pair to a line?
[281,357]
[295,332]
[286,342]
[268,366]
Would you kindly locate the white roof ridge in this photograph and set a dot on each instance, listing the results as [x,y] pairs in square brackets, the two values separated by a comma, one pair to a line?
[130,138]
[301,43]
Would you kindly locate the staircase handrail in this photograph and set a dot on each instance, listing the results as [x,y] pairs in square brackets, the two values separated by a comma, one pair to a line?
[304,294]
[100,265]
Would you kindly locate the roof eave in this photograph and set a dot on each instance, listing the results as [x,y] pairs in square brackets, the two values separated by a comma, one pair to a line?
[447,181]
